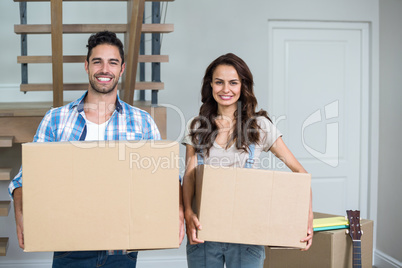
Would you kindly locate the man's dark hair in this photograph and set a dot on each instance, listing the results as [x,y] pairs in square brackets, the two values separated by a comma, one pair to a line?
[105,37]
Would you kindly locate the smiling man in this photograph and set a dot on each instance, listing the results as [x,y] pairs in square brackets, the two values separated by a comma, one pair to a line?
[104,65]
[98,115]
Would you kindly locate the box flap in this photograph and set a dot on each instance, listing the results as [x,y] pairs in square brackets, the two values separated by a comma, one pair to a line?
[289,209]
[147,209]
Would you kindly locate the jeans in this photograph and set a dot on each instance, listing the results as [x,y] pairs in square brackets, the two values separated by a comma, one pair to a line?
[89,259]
[215,254]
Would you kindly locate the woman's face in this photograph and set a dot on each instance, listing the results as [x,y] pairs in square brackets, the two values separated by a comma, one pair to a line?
[226,86]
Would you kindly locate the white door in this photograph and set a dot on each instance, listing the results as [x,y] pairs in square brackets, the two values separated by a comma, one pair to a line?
[319,100]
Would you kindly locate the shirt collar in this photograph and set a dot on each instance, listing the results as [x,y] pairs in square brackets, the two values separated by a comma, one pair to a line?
[79,103]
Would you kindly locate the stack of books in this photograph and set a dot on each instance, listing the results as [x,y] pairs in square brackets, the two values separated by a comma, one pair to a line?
[330,223]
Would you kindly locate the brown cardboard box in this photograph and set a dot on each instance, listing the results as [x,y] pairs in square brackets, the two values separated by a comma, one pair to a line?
[252,206]
[100,195]
[330,249]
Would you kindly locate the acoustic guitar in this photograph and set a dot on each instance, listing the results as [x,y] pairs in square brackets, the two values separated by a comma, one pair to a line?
[355,233]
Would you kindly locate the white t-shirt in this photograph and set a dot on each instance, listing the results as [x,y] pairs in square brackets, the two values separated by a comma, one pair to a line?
[95,132]
[231,156]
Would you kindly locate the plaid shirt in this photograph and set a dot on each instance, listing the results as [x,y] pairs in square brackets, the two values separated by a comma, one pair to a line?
[68,123]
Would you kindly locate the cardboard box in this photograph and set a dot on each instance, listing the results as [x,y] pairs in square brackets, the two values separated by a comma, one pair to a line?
[252,206]
[100,195]
[330,249]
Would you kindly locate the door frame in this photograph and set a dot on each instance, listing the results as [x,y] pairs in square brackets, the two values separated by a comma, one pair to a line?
[369,104]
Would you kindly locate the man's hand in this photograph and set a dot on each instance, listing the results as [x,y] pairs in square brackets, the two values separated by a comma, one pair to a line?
[20,231]
[18,216]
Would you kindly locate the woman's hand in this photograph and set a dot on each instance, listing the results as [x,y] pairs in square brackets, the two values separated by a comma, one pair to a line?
[310,231]
[192,225]
[181,224]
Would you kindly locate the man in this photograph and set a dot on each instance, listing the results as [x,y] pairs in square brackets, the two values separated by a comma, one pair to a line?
[98,115]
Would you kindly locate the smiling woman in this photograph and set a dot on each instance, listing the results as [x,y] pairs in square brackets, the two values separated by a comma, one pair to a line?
[226,87]
[229,133]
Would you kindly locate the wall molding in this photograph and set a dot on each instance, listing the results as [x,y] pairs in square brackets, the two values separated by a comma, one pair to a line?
[382,260]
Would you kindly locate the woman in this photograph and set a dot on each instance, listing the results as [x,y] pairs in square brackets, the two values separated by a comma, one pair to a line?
[225,133]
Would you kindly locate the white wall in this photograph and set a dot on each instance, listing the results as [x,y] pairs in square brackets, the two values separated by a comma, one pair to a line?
[389,221]
[204,30]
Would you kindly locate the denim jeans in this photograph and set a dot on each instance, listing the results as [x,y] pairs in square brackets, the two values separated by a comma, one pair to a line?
[215,254]
[89,259]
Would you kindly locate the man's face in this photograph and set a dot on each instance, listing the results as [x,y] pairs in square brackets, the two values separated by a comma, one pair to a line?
[104,68]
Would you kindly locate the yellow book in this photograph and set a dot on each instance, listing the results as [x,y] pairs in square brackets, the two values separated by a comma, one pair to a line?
[330,223]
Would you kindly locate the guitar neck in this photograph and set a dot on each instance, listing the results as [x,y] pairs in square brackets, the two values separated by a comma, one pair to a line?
[357,254]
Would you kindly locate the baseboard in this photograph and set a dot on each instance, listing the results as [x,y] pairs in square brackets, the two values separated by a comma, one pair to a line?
[162,262]
[142,263]
[26,264]
[382,260]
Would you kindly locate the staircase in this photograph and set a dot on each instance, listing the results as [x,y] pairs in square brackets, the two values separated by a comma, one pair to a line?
[5,175]
[133,31]
[4,209]
[19,121]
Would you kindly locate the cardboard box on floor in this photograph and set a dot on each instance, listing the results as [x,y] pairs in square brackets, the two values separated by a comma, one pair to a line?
[252,206]
[330,249]
[100,195]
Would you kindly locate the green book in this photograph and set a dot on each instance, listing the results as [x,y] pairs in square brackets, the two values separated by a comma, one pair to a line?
[317,229]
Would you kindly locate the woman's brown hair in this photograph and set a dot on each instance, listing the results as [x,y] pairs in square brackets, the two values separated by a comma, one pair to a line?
[204,129]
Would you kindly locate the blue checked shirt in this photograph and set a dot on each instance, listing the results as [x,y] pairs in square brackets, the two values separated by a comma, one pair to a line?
[67,123]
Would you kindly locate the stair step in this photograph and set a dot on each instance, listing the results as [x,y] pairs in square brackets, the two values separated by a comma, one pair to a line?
[23,118]
[90,28]
[78,59]
[3,246]
[6,141]
[23,109]
[5,174]
[84,86]
[4,208]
